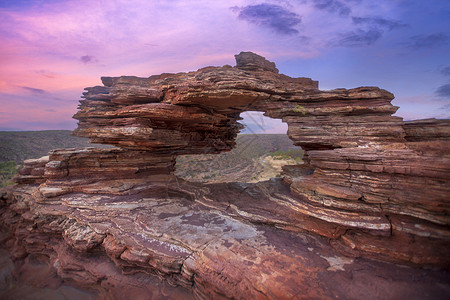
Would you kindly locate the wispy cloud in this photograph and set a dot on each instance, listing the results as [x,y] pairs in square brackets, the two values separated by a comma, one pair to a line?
[272,16]
[370,30]
[444,91]
[46,73]
[446,71]
[359,38]
[27,112]
[429,41]
[62,46]
[20,4]
[34,90]
[333,6]
[379,22]
[87,59]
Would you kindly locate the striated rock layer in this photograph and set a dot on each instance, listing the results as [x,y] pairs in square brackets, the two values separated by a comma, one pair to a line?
[371,186]
[364,170]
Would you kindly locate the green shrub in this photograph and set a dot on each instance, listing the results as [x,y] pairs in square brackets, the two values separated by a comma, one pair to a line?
[295,154]
[7,170]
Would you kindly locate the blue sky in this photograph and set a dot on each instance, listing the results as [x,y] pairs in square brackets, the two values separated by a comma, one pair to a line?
[51,50]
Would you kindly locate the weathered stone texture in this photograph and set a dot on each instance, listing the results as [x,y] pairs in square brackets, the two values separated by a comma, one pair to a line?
[371,186]
[32,171]
[363,167]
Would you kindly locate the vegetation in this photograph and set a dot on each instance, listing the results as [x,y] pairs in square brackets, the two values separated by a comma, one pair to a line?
[20,145]
[243,163]
[7,170]
[240,164]
[300,109]
[16,146]
[295,154]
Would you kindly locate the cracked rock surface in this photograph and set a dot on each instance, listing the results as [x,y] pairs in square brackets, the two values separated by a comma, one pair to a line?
[365,216]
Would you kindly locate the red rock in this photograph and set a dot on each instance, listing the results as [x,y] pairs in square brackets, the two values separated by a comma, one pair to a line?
[371,186]
[32,171]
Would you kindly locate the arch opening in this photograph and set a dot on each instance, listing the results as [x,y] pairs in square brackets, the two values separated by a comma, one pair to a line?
[262,149]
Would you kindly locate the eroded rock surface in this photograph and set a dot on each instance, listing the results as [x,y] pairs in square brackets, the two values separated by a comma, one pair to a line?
[371,186]
[232,241]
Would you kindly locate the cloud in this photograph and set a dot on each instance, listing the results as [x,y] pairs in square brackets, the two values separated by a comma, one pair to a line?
[446,71]
[270,15]
[21,4]
[34,90]
[87,59]
[444,91]
[43,95]
[333,6]
[378,22]
[446,107]
[429,40]
[51,47]
[28,112]
[359,38]
[46,73]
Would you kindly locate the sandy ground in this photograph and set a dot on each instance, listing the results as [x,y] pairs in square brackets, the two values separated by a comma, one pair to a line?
[271,167]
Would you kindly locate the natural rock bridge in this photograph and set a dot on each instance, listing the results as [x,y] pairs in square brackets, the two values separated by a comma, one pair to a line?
[371,186]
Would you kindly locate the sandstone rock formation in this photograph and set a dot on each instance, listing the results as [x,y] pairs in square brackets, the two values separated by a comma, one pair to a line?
[372,186]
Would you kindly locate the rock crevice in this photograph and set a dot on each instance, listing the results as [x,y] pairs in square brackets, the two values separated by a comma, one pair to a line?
[371,186]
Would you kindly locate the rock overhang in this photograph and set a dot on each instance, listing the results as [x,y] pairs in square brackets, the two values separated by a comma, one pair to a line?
[360,161]
[371,184]
[196,112]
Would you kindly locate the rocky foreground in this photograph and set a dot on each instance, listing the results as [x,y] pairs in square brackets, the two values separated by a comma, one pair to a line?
[365,216]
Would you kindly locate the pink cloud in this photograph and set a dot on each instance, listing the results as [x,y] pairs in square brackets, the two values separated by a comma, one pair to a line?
[19,111]
[62,47]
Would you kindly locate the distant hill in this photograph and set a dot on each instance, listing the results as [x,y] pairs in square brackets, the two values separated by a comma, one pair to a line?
[20,145]
[246,162]
[16,146]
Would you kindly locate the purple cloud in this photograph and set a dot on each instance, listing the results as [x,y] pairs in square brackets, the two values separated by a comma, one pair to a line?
[378,22]
[87,59]
[268,15]
[429,40]
[34,90]
[359,38]
[333,6]
[446,71]
[47,46]
[46,73]
[444,91]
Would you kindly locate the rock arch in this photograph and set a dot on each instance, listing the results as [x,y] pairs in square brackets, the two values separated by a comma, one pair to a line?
[362,184]
[372,183]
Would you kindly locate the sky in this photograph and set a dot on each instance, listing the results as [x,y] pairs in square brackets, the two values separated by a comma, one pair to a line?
[51,50]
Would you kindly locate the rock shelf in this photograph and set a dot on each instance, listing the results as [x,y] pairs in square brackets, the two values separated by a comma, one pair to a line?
[366,215]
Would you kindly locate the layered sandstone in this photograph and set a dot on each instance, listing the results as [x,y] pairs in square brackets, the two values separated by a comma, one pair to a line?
[217,241]
[111,171]
[364,169]
[32,171]
[371,186]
